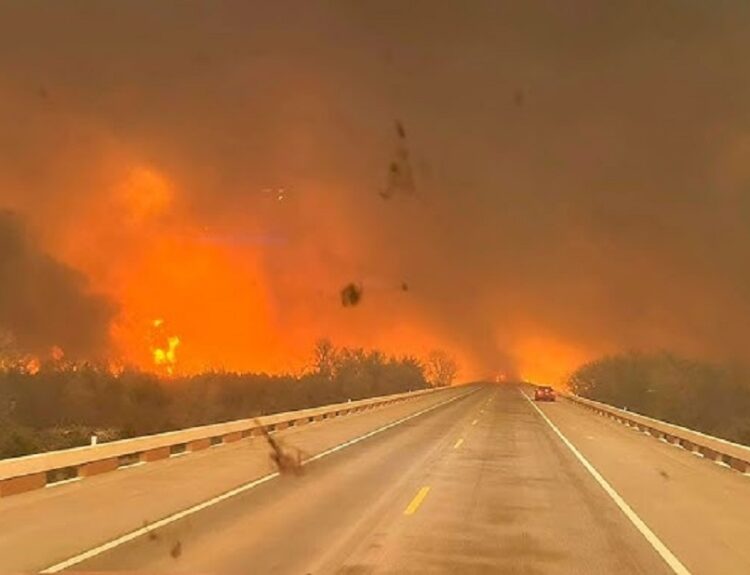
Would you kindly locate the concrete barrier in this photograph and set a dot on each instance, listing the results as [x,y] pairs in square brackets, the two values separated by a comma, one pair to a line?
[733,455]
[29,472]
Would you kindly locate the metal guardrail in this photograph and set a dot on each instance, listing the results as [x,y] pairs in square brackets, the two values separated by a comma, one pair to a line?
[733,455]
[29,472]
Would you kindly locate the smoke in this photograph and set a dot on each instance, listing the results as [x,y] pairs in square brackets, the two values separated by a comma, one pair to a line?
[45,305]
[577,175]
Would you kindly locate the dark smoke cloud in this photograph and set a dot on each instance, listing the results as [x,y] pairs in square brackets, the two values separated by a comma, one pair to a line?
[580,169]
[44,303]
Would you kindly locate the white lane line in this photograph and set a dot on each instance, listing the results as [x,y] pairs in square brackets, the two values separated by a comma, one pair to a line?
[669,557]
[93,552]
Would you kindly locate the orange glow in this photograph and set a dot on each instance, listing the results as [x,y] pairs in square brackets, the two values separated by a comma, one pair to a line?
[32,366]
[145,194]
[115,368]
[167,357]
[57,353]
[232,293]
[544,359]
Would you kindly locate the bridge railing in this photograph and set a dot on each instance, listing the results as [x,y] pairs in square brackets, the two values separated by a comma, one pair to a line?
[734,455]
[29,472]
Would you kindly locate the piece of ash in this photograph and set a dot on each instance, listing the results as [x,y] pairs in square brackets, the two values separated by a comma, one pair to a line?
[176,550]
[351,295]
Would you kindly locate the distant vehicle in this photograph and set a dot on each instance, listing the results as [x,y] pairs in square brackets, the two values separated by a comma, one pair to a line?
[544,393]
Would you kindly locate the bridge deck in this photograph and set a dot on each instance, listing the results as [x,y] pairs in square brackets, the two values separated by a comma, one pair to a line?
[482,484]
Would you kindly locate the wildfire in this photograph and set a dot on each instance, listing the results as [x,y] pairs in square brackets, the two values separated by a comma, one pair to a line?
[115,368]
[164,356]
[546,359]
[167,357]
[222,303]
[32,365]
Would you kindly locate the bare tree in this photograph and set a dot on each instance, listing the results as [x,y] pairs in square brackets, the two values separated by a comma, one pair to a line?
[440,369]
[325,357]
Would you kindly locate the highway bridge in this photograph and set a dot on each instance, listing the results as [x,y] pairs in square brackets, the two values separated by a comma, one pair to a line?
[471,479]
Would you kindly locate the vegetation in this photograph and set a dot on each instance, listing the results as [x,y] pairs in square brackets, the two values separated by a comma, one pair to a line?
[56,406]
[440,369]
[713,399]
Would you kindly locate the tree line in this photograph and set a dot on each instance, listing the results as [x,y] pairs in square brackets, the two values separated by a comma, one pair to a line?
[706,397]
[58,406]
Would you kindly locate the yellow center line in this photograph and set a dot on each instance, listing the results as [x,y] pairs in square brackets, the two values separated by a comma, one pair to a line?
[474,422]
[411,509]
[458,443]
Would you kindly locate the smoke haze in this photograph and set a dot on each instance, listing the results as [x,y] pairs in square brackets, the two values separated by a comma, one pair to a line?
[43,303]
[579,177]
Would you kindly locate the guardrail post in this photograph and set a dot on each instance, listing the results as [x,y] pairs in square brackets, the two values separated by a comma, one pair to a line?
[231,437]
[99,466]
[708,453]
[199,444]
[687,445]
[155,454]
[16,485]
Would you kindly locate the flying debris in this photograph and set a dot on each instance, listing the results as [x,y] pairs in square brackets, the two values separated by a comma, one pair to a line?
[176,550]
[285,460]
[400,179]
[400,130]
[519,98]
[404,286]
[351,295]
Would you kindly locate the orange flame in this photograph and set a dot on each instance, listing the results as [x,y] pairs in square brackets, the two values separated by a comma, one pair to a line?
[239,307]
[32,366]
[166,356]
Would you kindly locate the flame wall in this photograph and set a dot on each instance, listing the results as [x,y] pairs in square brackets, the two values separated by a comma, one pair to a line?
[579,186]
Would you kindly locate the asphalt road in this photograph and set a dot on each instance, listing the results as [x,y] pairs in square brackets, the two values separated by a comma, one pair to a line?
[482,484]
[508,498]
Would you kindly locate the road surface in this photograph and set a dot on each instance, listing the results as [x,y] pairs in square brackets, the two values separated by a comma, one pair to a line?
[478,483]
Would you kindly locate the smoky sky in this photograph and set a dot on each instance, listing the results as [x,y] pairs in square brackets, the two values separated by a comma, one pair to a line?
[43,303]
[581,170]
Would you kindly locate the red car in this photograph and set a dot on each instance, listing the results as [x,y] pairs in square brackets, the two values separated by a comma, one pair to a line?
[544,393]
